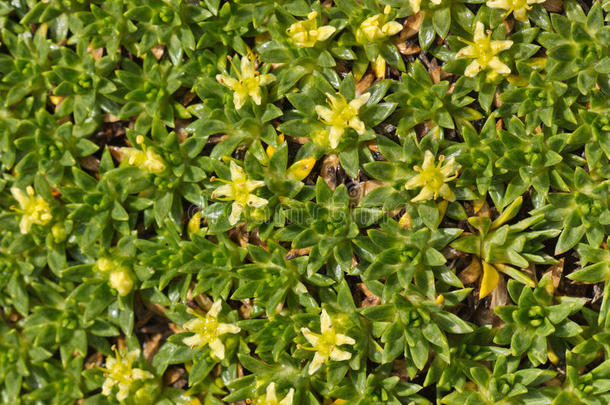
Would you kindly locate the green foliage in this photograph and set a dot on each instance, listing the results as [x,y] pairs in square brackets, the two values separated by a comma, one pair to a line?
[347,202]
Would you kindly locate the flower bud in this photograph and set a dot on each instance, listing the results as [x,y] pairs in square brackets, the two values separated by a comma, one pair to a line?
[121,281]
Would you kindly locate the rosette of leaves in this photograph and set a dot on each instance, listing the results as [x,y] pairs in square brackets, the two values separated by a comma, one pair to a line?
[506,383]
[413,325]
[540,101]
[402,256]
[588,387]
[487,81]
[167,22]
[181,177]
[271,281]
[421,100]
[579,48]
[583,212]
[148,91]
[81,85]
[104,26]
[46,147]
[303,121]
[368,50]
[532,160]
[25,67]
[99,208]
[168,260]
[248,126]
[327,226]
[299,62]
[538,321]
[498,246]
[466,351]
[377,386]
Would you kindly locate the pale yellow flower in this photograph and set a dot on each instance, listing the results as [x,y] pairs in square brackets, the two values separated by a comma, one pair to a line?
[416,4]
[248,83]
[377,27]
[119,371]
[519,8]
[207,330]
[34,209]
[325,344]
[432,178]
[145,159]
[270,397]
[239,190]
[483,50]
[121,281]
[306,33]
[342,115]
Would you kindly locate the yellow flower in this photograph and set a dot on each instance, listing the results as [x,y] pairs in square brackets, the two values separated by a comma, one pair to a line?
[121,281]
[483,50]
[119,371]
[342,115]
[519,8]
[432,178]
[248,82]
[270,397]
[146,159]
[377,27]
[306,33]
[301,169]
[416,4]
[33,209]
[325,344]
[239,190]
[207,330]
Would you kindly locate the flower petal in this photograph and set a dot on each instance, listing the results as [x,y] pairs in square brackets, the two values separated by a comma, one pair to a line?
[340,355]
[236,210]
[224,328]
[288,398]
[270,395]
[341,339]
[217,348]
[215,309]
[325,32]
[311,337]
[325,321]
[256,202]
[392,28]
[473,69]
[316,363]
[496,64]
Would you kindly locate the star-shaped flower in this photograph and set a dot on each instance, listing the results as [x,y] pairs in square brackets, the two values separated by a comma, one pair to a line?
[377,27]
[342,115]
[325,344]
[483,50]
[270,397]
[239,190]
[519,8]
[432,178]
[145,159]
[306,33]
[207,330]
[33,209]
[248,83]
[119,371]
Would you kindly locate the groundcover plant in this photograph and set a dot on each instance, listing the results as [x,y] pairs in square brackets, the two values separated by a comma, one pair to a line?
[283,202]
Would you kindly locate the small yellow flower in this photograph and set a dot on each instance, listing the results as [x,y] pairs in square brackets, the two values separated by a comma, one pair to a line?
[194,223]
[432,178]
[519,8]
[377,27]
[325,344]
[416,4]
[301,169]
[121,280]
[146,159]
[270,397]
[342,115]
[306,33]
[207,330]
[239,190]
[248,83]
[119,371]
[34,209]
[483,50]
